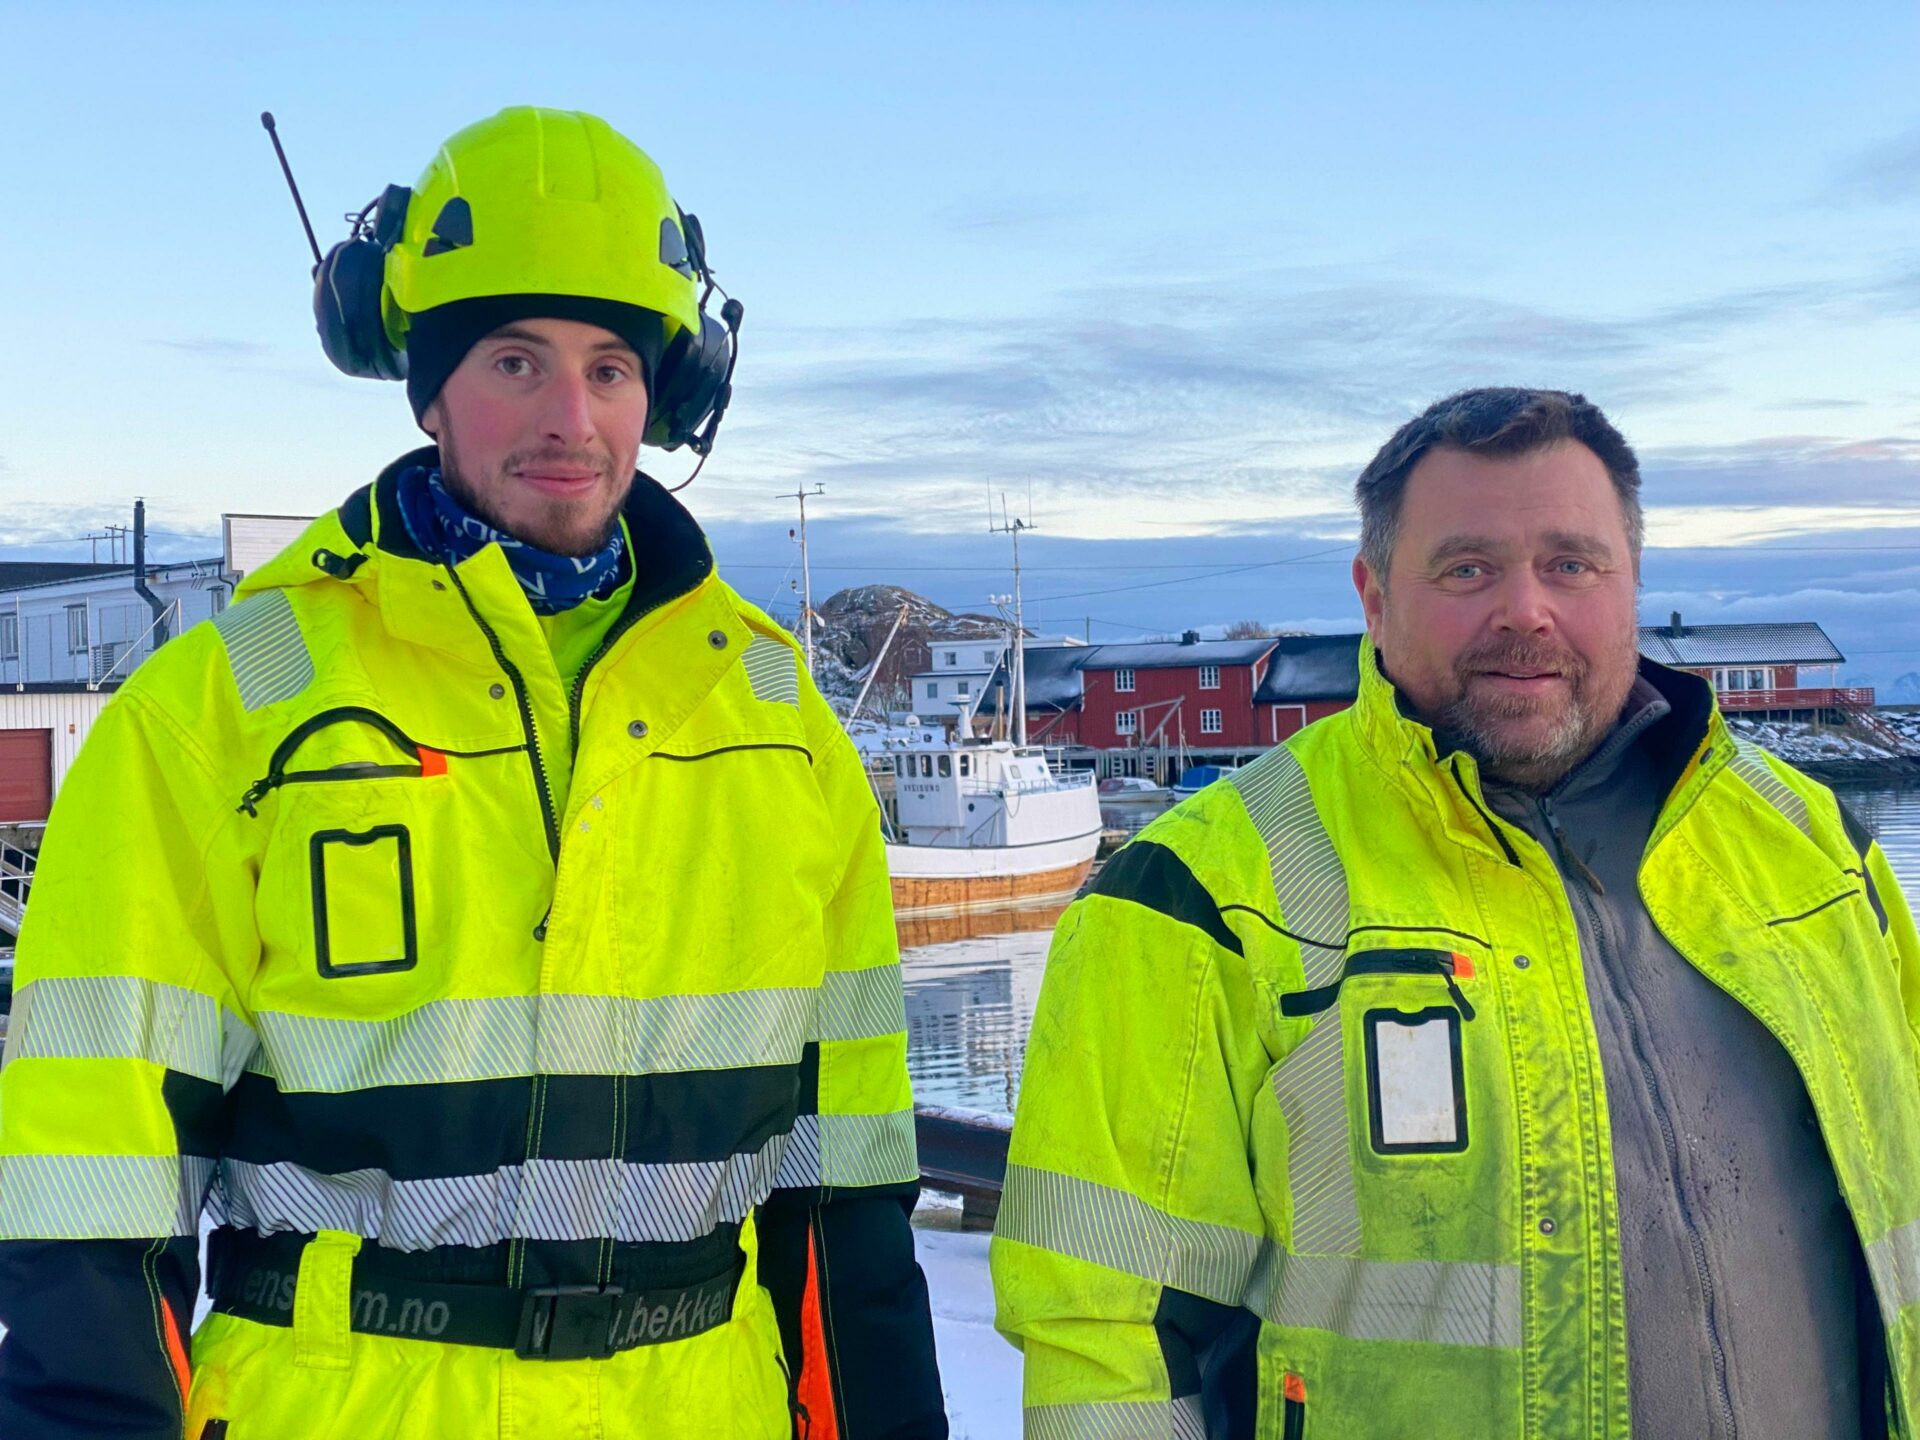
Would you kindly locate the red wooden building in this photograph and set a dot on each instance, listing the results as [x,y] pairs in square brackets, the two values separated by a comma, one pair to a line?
[1789,671]
[1308,678]
[1199,692]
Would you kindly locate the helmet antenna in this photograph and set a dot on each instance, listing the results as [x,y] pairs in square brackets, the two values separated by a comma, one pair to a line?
[266,120]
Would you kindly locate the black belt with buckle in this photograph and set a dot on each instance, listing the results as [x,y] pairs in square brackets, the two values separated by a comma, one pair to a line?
[550,1322]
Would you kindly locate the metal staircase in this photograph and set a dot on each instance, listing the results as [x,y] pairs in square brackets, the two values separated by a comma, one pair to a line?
[16,878]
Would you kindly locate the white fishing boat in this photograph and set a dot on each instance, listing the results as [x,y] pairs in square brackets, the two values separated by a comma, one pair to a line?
[980,823]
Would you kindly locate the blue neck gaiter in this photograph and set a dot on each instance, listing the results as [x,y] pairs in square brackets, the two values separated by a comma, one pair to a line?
[445,529]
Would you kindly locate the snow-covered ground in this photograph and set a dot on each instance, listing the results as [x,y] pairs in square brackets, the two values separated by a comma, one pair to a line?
[980,1371]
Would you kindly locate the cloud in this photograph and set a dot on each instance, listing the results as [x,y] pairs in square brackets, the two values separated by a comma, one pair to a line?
[1820,402]
[214,347]
[1006,211]
[1887,171]
[1210,398]
[1821,477]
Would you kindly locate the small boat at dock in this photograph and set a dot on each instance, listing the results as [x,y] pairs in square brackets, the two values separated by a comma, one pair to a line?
[985,823]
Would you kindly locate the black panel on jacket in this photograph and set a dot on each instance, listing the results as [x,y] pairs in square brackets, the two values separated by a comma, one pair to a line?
[424,1132]
[112,1376]
[1152,875]
[1209,1350]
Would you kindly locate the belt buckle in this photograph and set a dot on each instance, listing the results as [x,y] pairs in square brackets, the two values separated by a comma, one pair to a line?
[567,1322]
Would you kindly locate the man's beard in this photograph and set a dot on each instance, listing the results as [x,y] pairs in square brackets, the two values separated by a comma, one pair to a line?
[556,526]
[1481,721]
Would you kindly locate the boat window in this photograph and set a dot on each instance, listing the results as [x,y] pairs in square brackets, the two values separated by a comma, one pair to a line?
[900,764]
[946,766]
[926,766]
[966,765]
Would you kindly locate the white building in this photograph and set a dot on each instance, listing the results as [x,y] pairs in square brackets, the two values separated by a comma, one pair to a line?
[69,634]
[957,678]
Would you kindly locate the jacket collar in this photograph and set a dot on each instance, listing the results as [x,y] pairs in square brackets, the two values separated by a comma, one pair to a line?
[1681,740]
[670,552]
[364,544]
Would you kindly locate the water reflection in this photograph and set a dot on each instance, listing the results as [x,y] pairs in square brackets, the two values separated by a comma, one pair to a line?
[1894,818]
[971,983]
[972,980]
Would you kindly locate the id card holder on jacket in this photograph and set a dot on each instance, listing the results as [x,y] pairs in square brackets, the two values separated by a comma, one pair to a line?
[1416,1088]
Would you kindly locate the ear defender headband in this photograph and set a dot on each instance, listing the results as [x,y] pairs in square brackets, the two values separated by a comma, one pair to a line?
[358,316]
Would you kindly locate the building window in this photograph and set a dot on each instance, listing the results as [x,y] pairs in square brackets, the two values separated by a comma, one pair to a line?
[1743,680]
[1209,677]
[1123,681]
[219,602]
[966,688]
[1210,721]
[986,657]
[1127,722]
[76,629]
[9,637]
[953,658]
[933,689]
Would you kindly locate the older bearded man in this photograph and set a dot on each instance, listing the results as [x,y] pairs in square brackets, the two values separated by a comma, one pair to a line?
[1529,1055]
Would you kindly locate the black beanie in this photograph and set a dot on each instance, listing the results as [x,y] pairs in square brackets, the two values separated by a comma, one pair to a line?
[439,339]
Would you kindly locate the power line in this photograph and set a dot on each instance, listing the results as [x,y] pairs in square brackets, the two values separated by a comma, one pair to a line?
[1182,579]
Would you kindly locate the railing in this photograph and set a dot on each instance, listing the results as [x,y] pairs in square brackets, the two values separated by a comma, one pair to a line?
[1858,697]
[964,1152]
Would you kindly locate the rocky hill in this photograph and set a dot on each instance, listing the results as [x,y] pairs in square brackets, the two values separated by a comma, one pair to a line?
[850,627]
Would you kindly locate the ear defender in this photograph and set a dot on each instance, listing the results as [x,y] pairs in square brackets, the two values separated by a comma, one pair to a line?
[695,381]
[347,287]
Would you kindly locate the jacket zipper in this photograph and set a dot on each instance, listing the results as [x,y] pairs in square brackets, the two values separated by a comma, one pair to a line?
[1294,1416]
[540,781]
[1442,963]
[1696,1247]
[277,775]
[1506,846]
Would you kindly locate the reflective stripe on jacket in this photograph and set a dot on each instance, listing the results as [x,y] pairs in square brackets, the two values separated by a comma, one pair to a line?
[1317,1050]
[351,919]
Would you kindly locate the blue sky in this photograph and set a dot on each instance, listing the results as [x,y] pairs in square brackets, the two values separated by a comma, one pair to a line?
[1180,270]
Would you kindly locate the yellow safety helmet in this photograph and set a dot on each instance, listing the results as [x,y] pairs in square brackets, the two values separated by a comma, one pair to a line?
[531,212]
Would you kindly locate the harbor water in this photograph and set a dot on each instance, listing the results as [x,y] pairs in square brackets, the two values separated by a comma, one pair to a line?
[972,981]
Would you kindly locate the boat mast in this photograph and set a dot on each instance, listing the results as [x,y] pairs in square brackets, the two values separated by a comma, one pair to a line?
[806,573]
[1018,670]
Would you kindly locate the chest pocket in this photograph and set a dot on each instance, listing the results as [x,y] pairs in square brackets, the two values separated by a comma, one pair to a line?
[1408,1050]
[364,921]
[365,824]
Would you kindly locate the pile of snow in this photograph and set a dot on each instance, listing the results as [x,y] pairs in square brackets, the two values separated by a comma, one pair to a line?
[1795,741]
[1905,724]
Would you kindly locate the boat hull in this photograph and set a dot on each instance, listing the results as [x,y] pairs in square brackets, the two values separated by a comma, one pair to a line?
[952,879]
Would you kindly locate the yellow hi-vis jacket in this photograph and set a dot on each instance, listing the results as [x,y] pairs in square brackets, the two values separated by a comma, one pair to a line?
[1186,1150]
[538,1052]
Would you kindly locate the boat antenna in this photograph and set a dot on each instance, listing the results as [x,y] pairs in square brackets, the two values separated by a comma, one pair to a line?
[1017,671]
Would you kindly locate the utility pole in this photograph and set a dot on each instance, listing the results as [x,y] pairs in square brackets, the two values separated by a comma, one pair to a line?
[806,573]
[1014,527]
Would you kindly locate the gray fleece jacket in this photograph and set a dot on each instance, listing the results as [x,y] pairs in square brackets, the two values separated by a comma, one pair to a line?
[1746,1310]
